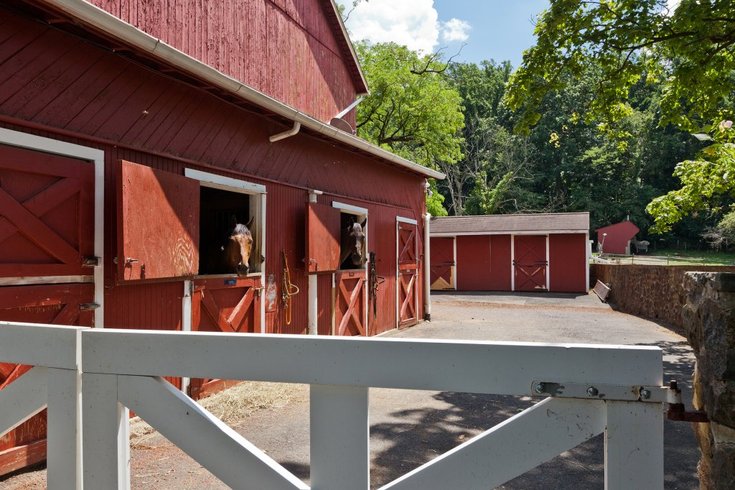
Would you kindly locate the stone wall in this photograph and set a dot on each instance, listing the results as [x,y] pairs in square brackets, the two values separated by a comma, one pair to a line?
[709,324]
[650,291]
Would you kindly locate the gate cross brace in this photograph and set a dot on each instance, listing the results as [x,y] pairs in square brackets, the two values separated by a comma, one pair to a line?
[597,391]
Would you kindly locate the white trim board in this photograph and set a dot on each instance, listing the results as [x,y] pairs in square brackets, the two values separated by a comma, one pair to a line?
[535,232]
[216,181]
[410,221]
[96,157]
[350,209]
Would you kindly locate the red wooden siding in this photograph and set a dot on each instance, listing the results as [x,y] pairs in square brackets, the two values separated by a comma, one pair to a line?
[500,264]
[286,49]
[98,99]
[473,263]
[568,263]
[323,250]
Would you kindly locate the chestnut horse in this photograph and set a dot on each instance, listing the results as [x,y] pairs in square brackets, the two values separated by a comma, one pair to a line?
[237,249]
[352,243]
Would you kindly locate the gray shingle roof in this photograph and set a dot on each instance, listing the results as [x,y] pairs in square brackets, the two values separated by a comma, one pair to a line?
[511,223]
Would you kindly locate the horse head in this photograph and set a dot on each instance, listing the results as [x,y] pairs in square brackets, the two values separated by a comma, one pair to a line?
[355,244]
[238,248]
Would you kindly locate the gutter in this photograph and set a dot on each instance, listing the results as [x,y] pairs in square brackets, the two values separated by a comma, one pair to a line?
[101,20]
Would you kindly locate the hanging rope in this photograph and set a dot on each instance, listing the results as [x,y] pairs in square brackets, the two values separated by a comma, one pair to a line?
[288,289]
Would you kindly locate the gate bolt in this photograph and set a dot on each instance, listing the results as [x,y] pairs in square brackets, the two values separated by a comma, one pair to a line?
[539,389]
[645,394]
[592,391]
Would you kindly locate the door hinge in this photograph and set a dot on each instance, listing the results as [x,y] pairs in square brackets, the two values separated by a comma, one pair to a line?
[597,391]
[88,306]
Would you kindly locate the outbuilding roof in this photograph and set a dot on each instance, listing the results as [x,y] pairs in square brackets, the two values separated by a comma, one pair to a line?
[494,224]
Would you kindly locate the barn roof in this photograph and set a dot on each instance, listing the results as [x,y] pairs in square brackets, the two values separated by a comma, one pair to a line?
[511,223]
[626,229]
[104,24]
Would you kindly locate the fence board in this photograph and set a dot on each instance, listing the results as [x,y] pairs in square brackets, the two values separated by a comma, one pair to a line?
[473,367]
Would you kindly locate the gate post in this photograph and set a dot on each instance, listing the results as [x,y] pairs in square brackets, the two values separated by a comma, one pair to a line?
[634,446]
[340,433]
[106,434]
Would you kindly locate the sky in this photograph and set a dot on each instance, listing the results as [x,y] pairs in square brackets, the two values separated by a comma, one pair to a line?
[483,29]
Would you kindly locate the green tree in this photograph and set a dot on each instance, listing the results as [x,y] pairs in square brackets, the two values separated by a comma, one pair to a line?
[691,50]
[707,183]
[412,109]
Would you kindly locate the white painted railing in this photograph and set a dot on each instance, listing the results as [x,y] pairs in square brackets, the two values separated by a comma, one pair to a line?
[597,388]
[53,383]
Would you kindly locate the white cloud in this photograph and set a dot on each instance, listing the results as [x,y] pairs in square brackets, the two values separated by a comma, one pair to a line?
[455,30]
[413,23]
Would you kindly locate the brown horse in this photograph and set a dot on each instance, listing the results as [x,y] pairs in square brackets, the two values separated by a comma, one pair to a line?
[237,249]
[352,243]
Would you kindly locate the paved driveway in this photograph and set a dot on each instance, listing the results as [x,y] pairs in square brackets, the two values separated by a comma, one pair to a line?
[409,428]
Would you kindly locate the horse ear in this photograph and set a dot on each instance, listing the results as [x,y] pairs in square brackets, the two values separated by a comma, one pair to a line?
[364,220]
[249,225]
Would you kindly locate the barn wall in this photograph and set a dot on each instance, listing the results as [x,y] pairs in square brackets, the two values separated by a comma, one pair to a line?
[568,263]
[59,86]
[285,48]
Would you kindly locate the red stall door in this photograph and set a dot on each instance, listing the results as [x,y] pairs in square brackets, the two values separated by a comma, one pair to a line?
[224,305]
[530,262]
[408,274]
[46,232]
[349,306]
[442,263]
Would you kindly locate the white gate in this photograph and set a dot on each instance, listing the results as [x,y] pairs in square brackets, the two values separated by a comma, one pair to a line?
[588,390]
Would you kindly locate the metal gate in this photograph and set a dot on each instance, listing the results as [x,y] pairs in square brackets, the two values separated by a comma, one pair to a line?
[407,271]
[530,262]
[47,259]
[229,305]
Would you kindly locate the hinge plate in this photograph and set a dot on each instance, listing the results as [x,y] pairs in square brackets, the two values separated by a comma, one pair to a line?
[596,391]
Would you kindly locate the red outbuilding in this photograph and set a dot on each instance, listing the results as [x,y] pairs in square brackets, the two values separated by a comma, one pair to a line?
[511,252]
[134,132]
[616,238]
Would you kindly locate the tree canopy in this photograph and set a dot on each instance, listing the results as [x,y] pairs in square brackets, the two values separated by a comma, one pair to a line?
[689,50]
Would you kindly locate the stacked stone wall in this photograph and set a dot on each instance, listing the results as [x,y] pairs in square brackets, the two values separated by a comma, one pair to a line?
[649,291]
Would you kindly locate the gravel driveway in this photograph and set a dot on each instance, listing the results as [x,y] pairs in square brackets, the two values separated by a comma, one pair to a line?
[409,428]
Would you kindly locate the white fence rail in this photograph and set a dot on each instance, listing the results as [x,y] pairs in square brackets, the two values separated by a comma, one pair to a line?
[596,388]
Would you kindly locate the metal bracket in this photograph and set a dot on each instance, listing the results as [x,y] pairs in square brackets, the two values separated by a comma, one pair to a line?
[90,261]
[596,391]
[88,306]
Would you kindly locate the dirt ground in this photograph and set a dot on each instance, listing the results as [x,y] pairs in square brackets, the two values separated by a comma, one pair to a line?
[408,428]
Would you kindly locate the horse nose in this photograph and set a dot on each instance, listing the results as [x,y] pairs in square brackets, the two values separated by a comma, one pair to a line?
[242,269]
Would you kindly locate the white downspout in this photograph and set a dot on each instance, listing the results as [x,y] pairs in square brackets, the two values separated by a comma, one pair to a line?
[313,300]
[286,134]
[427,267]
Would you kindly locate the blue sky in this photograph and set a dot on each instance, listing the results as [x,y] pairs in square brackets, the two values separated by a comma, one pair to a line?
[489,29]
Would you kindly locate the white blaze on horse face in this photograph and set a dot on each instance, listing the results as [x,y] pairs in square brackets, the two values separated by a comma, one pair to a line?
[359,236]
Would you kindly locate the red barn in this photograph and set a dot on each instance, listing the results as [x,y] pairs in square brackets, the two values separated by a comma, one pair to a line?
[132,130]
[511,252]
[615,238]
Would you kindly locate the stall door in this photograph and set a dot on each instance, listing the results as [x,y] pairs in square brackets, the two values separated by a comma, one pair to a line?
[407,273]
[442,263]
[46,233]
[530,262]
[229,305]
[350,303]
